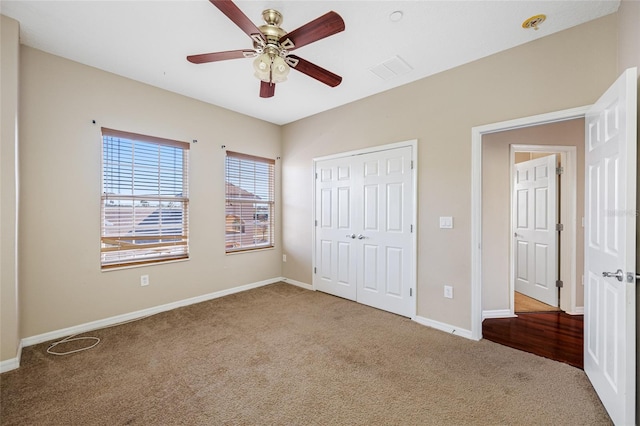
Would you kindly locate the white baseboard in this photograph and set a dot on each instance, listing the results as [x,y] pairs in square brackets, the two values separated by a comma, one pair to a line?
[108,322]
[498,313]
[444,327]
[297,283]
[579,310]
[13,363]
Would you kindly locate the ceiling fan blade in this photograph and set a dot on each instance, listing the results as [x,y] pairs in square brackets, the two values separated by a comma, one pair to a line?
[238,17]
[220,56]
[328,24]
[314,71]
[267,90]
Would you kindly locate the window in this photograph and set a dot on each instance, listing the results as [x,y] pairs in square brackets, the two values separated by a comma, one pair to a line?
[145,201]
[249,201]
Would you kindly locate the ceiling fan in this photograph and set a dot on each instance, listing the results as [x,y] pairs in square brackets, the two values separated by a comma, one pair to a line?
[272,46]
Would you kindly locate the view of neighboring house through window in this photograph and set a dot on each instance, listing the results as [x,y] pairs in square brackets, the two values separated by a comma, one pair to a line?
[145,199]
[249,200]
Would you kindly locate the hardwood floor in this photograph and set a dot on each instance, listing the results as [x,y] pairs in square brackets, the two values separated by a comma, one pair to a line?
[554,335]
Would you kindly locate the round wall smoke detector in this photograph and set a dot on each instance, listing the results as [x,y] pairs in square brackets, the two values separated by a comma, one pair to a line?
[534,21]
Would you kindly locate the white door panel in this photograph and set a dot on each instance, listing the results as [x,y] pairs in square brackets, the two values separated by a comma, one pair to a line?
[386,243]
[335,272]
[366,256]
[610,221]
[535,218]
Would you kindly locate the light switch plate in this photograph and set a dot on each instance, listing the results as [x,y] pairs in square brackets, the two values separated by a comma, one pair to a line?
[446,222]
[448,292]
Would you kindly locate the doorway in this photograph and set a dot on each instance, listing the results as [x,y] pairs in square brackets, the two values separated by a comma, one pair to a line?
[555,255]
[530,170]
[535,213]
[478,249]
[501,246]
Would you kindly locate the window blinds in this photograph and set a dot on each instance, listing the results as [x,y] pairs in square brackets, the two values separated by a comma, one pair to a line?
[249,201]
[145,201]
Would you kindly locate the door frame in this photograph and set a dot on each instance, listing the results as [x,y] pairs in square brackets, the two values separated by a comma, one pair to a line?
[568,214]
[476,196]
[413,143]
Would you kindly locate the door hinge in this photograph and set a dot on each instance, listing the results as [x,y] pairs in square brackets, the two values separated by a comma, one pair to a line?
[411,229]
[410,292]
[315,270]
[316,222]
[316,176]
[559,170]
[559,283]
[559,227]
[411,164]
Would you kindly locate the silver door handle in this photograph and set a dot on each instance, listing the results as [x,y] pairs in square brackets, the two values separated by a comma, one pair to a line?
[352,236]
[361,237]
[618,274]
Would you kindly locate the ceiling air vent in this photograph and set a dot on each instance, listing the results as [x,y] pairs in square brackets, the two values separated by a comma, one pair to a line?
[391,68]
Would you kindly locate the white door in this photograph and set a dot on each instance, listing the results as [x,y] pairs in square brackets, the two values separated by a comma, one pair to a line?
[335,238]
[385,258]
[610,248]
[534,221]
[364,208]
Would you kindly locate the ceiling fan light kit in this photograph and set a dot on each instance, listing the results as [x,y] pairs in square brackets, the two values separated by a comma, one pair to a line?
[272,46]
[270,68]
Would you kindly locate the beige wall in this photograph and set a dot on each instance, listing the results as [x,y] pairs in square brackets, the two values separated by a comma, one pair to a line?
[629,34]
[9,60]
[553,73]
[496,208]
[61,284]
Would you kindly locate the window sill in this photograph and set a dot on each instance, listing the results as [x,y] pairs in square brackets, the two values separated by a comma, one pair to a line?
[120,268]
[249,251]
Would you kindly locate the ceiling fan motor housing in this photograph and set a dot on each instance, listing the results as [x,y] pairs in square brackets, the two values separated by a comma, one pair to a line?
[271,30]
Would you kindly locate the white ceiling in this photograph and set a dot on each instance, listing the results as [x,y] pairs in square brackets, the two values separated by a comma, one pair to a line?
[148,41]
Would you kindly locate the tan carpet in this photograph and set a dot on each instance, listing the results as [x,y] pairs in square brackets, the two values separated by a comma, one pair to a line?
[281,355]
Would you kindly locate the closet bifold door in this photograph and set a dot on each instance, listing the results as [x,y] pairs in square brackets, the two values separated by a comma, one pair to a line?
[364,208]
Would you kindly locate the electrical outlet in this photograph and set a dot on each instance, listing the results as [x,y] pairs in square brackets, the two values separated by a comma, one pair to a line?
[144,280]
[284,257]
[448,292]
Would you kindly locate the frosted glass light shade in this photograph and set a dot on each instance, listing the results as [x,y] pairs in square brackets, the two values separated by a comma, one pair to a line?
[279,70]
[270,69]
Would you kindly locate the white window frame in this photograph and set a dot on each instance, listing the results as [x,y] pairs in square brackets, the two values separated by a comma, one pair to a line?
[145,200]
[250,201]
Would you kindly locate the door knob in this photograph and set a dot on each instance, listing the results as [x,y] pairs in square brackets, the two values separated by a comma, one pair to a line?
[352,236]
[361,237]
[618,274]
